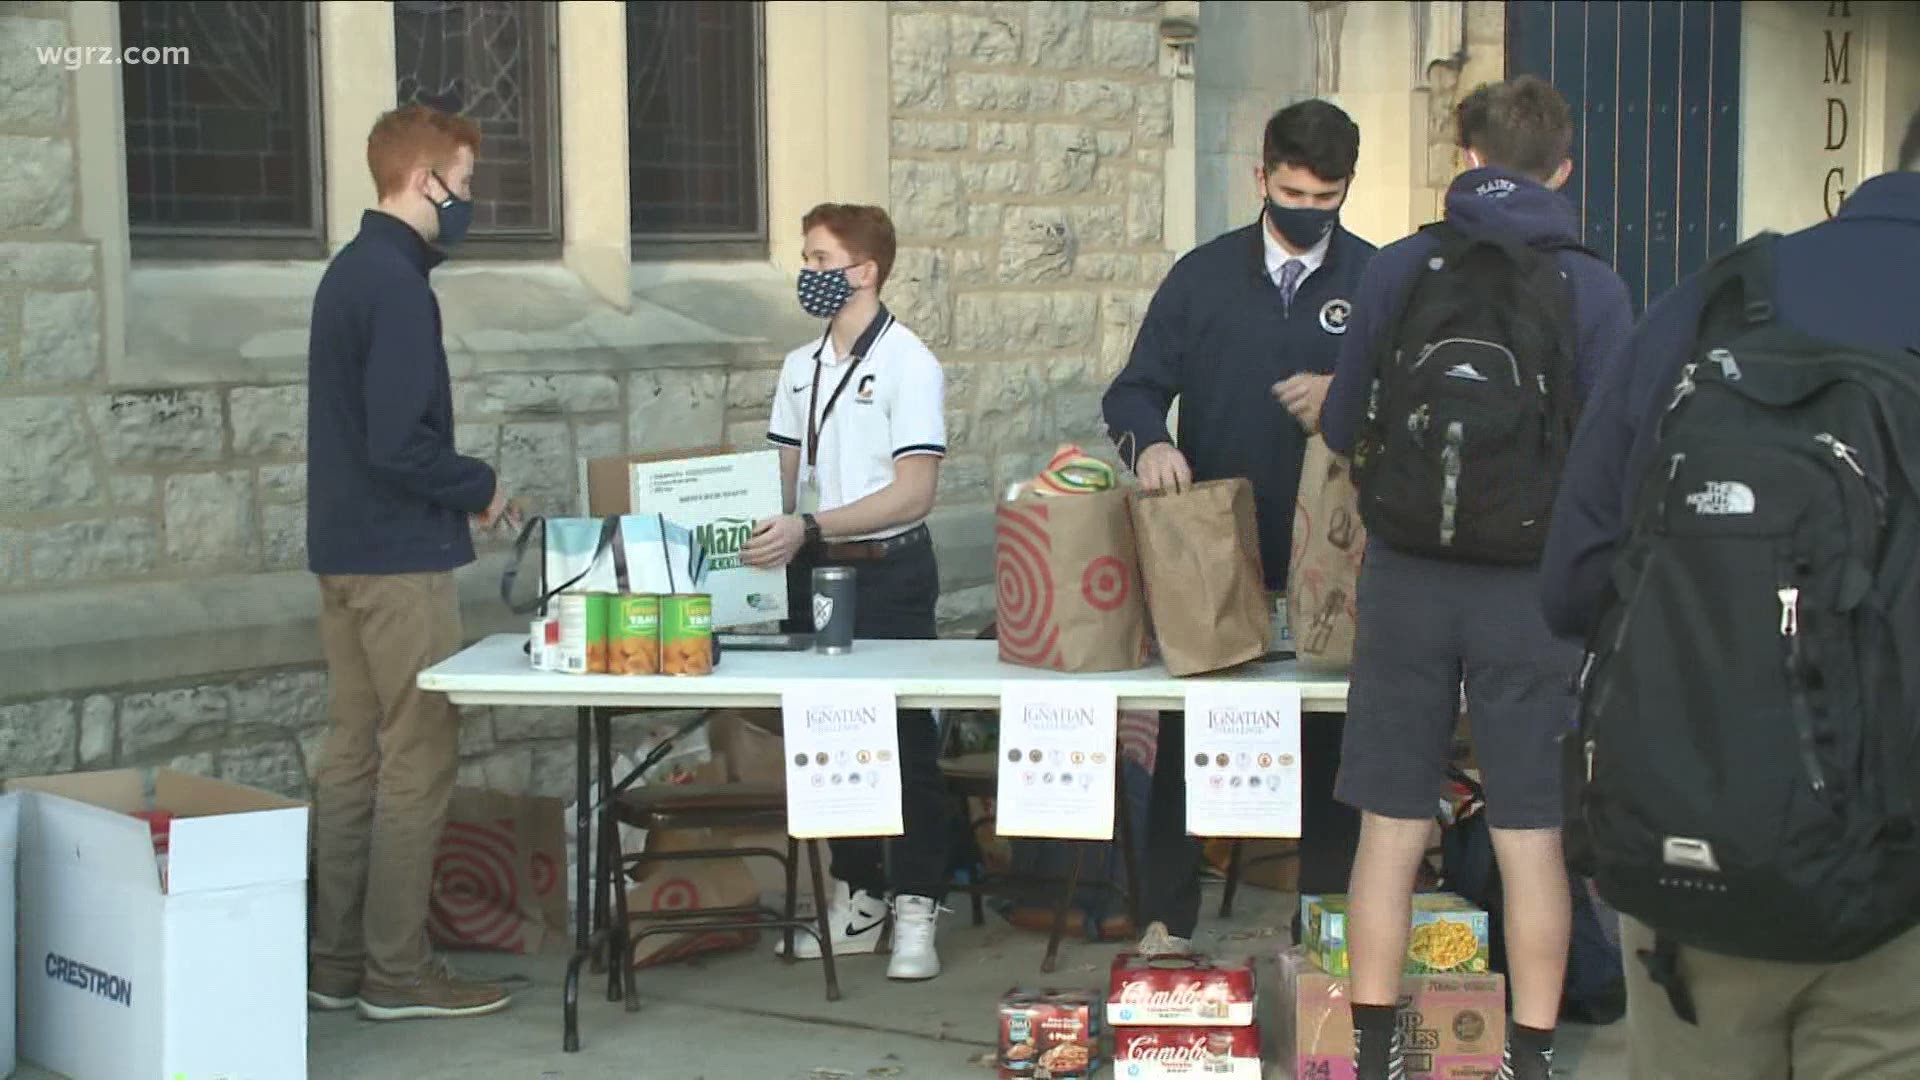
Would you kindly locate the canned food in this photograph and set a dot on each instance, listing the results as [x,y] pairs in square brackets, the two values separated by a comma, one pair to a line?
[686,634]
[583,634]
[633,635]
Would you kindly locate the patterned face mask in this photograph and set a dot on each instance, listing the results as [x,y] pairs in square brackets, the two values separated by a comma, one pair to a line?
[824,292]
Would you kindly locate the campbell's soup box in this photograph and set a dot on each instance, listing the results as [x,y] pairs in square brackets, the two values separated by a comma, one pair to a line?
[1452,1027]
[1179,991]
[1049,1035]
[1149,1053]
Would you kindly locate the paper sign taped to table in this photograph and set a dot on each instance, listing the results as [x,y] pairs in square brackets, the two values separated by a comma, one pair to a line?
[1243,760]
[1058,752]
[843,761]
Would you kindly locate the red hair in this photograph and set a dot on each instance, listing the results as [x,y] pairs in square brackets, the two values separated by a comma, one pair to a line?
[865,231]
[407,138]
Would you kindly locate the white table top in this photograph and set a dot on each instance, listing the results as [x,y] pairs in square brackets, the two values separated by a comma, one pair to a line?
[923,674]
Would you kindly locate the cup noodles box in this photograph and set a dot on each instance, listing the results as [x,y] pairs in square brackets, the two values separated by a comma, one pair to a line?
[1049,1035]
[1148,1053]
[1452,1027]
[1179,991]
[1448,935]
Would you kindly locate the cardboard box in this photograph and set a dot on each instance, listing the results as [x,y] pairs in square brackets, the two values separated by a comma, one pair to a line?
[1049,1035]
[1448,935]
[1157,1053]
[1179,991]
[123,978]
[717,493]
[1452,1027]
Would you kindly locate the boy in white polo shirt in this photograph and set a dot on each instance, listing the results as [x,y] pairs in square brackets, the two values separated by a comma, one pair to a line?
[859,419]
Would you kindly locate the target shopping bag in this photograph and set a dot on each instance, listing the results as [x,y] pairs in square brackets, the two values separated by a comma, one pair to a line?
[1067,582]
[497,876]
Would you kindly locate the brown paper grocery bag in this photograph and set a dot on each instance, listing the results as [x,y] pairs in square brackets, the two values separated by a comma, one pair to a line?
[683,885]
[1206,589]
[1323,578]
[1067,584]
[496,876]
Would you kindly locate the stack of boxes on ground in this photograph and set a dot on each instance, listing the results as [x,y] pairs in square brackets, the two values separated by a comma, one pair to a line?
[1183,1016]
[1452,1008]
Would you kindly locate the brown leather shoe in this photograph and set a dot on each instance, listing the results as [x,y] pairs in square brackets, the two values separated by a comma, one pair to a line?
[437,994]
[332,991]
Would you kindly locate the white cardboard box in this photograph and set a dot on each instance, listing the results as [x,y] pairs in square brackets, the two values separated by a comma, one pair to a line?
[122,981]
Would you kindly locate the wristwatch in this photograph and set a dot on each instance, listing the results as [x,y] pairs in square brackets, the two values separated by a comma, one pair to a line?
[813,528]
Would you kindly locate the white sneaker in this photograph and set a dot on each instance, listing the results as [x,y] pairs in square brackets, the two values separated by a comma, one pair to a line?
[857,921]
[915,918]
[1157,942]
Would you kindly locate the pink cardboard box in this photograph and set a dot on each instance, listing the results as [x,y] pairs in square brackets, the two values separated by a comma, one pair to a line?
[1453,1027]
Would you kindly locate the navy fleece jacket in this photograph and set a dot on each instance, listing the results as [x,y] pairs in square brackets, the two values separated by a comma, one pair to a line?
[1218,337]
[1481,202]
[386,493]
[1854,279]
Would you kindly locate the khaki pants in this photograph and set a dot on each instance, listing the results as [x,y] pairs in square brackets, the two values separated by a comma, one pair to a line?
[1761,1020]
[386,773]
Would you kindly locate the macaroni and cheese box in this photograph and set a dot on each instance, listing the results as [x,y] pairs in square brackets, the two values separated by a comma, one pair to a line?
[1452,1027]
[1448,935]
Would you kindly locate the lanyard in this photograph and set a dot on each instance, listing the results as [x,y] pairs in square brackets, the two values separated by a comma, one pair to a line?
[816,417]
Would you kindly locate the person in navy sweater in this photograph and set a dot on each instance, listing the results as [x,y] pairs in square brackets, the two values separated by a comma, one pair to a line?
[1850,280]
[1235,319]
[1426,627]
[390,512]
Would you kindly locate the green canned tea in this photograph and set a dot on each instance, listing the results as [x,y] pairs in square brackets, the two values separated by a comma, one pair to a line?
[633,635]
[686,634]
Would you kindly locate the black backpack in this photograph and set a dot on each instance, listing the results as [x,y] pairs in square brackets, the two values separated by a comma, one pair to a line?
[1473,405]
[1744,776]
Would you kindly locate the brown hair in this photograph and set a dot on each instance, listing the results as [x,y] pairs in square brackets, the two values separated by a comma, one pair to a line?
[865,231]
[407,138]
[1522,124]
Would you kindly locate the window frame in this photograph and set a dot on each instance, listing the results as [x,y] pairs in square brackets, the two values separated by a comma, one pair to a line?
[199,243]
[754,244]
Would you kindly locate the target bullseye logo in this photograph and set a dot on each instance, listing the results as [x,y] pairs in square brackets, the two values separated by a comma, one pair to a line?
[1023,585]
[675,894]
[476,897]
[1104,586]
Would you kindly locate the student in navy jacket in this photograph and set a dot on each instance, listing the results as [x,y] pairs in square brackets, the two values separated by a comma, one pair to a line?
[1234,319]
[1854,279]
[1428,627]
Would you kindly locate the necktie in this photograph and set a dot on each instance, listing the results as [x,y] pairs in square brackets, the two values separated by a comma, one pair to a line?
[1290,281]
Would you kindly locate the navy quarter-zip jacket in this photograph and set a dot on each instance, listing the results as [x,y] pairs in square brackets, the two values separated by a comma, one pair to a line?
[386,492]
[1217,337]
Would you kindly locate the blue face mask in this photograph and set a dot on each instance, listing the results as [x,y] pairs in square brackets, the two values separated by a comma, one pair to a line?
[454,213]
[1303,226]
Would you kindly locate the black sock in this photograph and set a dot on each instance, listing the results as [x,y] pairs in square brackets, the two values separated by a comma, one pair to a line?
[1373,1028]
[1527,1040]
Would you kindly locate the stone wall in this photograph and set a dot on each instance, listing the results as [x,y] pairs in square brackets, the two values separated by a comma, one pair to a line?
[1028,188]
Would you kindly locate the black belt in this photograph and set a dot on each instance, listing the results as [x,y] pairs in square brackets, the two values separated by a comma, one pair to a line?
[873,550]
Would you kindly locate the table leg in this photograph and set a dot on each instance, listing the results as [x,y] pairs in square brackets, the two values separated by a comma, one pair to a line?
[1052,959]
[1124,833]
[607,874]
[820,920]
[582,846]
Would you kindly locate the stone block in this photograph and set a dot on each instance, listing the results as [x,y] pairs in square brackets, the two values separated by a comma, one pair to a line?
[32,94]
[1098,225]
[675,409]
[479,441]
[996,178]
[1125,7]
[60,337]
[1021,322]
[509,771]
[963,542]
[962,390]
[283,483]
[1057,33]
[1154,118]
[964,605]
[36,182]
[13,557]
[134,492]
[49,263]
[283,536]
[752,389]
[544,395]
[1126,46]
[90,550]
[48,464]
[921,46]
[598,438]
[974,266]
[1067,155]
[926,200]
[269,420]
[159,427]
[917,293]
[476,731]
[1100,99]
[965,478]
[1146,207]
[1114,143]
[38,737]
[554,768]
[1003,137]
[992,92]
[97,718]
[1014,408]
[983,219]
[537,467]
[274,765]
[520,725]
[209,520]
[930,135]
[294,702]
[987,39]
[1037,245]
[160,723]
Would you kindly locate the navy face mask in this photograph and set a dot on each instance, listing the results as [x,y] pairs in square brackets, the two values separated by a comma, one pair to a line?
[824,292]
[1303,226]
[454,213]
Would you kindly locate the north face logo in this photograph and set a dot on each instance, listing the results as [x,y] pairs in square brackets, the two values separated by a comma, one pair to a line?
[1722,498]
[1465,371]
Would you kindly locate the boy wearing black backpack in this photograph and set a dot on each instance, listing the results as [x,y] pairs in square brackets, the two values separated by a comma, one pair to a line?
[1458,386]
[1737,535]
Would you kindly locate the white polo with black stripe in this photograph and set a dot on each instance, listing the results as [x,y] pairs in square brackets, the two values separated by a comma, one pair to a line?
[894,408]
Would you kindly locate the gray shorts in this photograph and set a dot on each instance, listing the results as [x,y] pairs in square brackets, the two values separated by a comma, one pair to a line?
[1425,629]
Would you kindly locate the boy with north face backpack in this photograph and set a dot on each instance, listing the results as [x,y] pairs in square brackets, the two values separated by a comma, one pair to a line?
[1472,346]
[1738,538]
